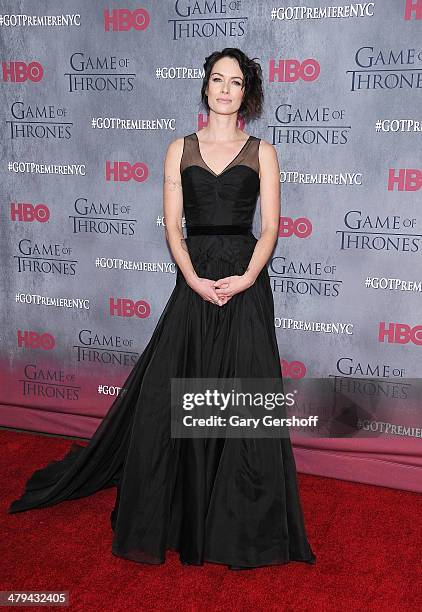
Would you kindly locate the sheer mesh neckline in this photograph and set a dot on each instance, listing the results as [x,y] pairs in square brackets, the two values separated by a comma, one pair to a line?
[247,157]
[229,164]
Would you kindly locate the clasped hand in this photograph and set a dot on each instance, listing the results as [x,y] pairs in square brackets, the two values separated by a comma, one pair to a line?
[222,290]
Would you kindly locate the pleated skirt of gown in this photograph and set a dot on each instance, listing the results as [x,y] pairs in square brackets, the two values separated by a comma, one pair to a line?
[224,500]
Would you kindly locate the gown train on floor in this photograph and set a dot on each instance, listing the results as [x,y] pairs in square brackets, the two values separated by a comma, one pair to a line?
[224,500]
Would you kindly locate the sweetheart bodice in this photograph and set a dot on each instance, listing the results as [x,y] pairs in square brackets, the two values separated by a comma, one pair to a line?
[226,198]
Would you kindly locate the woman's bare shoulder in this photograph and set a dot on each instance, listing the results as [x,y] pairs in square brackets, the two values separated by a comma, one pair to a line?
[267,151]
[176,144]
[175,150]
[266,146]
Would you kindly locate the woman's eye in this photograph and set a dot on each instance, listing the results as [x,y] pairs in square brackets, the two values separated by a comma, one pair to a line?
[235,82]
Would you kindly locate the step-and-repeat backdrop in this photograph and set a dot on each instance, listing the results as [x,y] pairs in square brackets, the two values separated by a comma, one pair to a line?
[91,98]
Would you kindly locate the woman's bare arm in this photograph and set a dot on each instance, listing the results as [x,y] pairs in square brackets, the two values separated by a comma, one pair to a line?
[173,211]
[270,209]
[173,208]
[270,220]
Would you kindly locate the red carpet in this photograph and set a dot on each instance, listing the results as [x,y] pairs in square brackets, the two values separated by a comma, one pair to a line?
[367,541]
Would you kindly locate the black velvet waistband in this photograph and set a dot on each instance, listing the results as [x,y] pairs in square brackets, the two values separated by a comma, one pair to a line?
[197,230]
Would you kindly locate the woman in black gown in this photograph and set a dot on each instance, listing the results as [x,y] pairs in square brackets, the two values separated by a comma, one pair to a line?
[224,500]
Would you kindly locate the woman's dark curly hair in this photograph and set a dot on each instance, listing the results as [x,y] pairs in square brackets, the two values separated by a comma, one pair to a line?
[253,99]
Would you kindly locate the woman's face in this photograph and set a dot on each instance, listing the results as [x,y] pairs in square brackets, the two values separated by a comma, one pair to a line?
[225,87]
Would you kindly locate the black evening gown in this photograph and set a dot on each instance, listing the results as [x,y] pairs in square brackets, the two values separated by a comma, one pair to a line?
[233,501]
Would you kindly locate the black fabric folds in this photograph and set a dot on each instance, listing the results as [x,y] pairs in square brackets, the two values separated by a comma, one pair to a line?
[222,500]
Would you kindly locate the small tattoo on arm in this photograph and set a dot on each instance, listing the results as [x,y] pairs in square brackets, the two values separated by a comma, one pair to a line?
[174,184]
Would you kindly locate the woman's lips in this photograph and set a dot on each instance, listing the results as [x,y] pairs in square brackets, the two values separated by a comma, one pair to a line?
[223,101]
